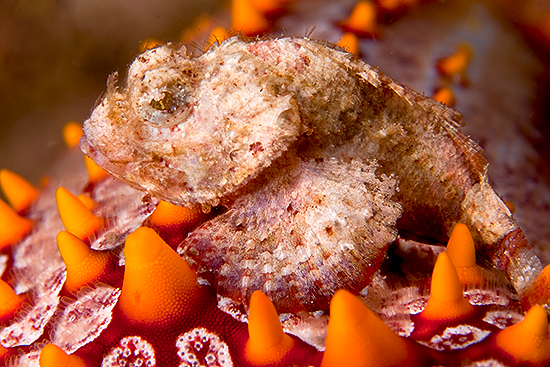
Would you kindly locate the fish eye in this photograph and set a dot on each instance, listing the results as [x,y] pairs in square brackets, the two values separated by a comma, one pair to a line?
[163,104]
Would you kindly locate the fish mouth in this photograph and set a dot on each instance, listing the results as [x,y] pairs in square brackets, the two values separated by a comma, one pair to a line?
[88,149]
[125,170]
[118,169]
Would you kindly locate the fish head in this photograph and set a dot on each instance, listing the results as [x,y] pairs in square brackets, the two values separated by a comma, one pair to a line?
[192,130]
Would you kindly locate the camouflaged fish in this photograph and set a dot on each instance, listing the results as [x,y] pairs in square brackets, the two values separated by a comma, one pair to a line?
[318,159]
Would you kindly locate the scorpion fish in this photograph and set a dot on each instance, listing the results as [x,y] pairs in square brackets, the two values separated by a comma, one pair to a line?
[314,161]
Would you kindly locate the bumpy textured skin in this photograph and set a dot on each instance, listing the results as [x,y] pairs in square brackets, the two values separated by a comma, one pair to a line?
[317,157]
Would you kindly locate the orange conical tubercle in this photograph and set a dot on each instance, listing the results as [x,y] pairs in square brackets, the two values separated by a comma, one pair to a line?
[14,227]
[95,172]
[84,265]
[446,300]
[267,344]
[462,252]
[9,301]
[19,192]
[72,132]
[539,291]
[528,341]
[357,337]
[76,217]
[247,19]
[159,288]
[362,20]
[53,356]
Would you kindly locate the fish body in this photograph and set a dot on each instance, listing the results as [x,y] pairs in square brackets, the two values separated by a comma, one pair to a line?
[319,160]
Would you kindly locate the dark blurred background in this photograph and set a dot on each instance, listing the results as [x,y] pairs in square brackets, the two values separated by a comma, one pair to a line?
[55,56]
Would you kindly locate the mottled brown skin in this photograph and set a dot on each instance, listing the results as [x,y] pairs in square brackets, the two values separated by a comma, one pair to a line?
[318,158]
